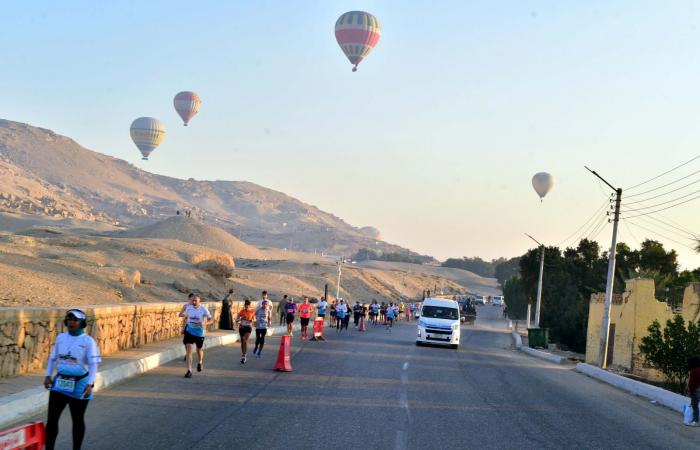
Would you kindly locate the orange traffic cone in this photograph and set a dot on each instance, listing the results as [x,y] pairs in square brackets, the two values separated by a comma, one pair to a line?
[284,363]
[362,323]
[318,330]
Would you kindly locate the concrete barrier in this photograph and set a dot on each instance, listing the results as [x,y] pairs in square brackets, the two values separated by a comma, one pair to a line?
[556,359]
[29,402]
[661,396]
[517,340]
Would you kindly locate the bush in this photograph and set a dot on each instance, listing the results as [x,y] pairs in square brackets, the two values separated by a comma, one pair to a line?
[668,351]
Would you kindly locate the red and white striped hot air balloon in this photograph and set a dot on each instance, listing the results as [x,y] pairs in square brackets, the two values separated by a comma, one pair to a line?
[187,104]
[357,32]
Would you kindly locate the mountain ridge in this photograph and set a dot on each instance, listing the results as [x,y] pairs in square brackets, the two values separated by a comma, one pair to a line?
[54,175]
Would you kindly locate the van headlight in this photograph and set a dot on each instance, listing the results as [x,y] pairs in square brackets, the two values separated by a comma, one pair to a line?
[421,323]
[455,326]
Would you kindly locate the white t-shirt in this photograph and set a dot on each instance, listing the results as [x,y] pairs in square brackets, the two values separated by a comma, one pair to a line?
[72,355]
[322,306]
[195,318]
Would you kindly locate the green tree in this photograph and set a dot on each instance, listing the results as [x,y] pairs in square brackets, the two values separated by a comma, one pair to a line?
[506,269]
[668,350]
[653,257]
[515,298]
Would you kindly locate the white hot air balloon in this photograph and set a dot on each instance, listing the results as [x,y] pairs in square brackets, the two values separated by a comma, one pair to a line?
[543,183]
[147,133]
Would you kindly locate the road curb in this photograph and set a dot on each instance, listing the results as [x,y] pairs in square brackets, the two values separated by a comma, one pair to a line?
[663,397]
[29,402]
[556,359]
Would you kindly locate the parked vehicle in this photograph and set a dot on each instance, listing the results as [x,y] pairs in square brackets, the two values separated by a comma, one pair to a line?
[439,323]
[497,300]
[480,300]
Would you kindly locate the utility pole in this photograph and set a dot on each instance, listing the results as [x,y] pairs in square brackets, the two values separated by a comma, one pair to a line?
[337,290]
[539,282]
[605,331]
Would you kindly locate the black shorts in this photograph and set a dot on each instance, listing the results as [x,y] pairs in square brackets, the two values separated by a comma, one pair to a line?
[290,318]
[322,315]
[304,321]
[192,339]
[244,330]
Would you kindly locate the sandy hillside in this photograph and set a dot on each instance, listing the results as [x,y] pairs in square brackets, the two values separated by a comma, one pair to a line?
[475,283]
[193,231]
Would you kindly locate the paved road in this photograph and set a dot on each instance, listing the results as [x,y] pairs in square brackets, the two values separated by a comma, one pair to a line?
[378,390]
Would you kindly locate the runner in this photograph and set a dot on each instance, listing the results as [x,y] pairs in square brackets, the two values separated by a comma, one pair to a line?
[340,311]
[321,308]
[357,313]
[346,319]
[305,310]
[390,315]
[382,313]
[246,316]
[75,357]
[401,308]
[373,312]
[291,310]
[263,317]
[333,313]
[197,318]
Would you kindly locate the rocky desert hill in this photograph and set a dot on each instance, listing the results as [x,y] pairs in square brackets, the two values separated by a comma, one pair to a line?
[46,173]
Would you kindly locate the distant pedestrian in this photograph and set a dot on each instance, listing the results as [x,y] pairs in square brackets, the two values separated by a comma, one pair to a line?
[334,312]
[226,318]
[74,357]
[197,318]
[263,317]
[694,387]
[291,310]
[373,312]
[281,308]
[305,310]
[246,316]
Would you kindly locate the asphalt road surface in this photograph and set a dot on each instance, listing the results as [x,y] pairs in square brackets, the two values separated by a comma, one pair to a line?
[377,390]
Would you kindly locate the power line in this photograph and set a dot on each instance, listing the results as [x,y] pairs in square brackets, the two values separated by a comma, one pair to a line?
[662,174]
[665,193]
[662,203]
[663,209]
[639,243]
[597,229]
[658,234]
[684,234]
[600,208]
[595,236]
[663,185]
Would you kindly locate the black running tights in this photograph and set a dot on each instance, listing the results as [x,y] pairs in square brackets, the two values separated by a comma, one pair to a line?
[57,403]
[260,334]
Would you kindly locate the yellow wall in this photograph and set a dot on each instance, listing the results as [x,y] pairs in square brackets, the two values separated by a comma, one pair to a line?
[632,313]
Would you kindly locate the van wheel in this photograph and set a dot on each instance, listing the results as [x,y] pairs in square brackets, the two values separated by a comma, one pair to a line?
[455,346]
[418,343]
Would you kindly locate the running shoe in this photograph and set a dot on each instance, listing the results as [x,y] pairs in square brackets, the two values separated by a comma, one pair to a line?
[255,351]
[243,360]
[199,367]
[259,354]
[188,374]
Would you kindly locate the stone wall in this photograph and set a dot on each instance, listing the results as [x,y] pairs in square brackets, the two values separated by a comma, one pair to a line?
[27,334]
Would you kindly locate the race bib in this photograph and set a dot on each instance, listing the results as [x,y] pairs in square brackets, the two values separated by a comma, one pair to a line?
[64,385]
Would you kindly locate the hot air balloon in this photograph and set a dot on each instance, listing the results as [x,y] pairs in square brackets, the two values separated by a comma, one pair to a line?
[187,104]
[357,32]
[147,133]
[543,183]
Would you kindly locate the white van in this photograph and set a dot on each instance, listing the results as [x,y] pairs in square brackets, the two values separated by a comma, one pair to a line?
[497,300]
[439,322]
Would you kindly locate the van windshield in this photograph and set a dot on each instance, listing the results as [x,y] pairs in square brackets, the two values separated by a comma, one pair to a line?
[440,312]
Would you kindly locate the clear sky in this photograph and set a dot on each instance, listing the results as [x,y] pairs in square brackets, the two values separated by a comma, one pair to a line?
[433,140]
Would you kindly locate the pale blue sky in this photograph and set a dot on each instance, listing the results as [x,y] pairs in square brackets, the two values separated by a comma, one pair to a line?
[435,138]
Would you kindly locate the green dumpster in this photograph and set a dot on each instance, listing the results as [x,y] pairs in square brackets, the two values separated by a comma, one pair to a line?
[537,337]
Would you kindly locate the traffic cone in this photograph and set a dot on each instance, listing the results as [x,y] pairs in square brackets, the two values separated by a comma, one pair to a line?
[318,330]
[284,363]
[362,323]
